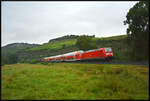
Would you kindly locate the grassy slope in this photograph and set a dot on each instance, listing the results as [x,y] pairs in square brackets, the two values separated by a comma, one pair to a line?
[58,44]
[54,45]
[111,38]
[74,81]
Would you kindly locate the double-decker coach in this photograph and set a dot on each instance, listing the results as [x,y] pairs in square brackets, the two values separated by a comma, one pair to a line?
[100,53]
[72,56]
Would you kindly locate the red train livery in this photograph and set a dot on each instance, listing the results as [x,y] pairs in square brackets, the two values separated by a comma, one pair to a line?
[100,53]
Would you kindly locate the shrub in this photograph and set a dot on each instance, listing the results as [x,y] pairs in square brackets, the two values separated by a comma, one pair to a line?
[22,61]
[33,61]
[44,63]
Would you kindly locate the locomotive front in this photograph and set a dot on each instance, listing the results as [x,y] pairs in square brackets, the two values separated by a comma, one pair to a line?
[108,53]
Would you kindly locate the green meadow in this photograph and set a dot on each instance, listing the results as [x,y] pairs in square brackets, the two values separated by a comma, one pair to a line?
[74,81]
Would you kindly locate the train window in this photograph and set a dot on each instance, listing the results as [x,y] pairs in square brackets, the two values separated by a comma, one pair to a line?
[77,54]
[108,50]
[92,50]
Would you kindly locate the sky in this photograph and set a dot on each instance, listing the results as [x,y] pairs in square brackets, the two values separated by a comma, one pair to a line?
[37,22]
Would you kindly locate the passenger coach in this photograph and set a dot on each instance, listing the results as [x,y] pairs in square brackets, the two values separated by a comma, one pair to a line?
[100,53]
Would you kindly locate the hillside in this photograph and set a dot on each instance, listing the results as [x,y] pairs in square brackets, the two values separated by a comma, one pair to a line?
[67,37]
[55,45]
[74,81]
[67,41]
[65,44]
[15,47]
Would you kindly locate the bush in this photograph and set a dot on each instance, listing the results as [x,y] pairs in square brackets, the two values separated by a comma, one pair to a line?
[10,58]
[85,43]
[22,61]
[33,61]
[44,63]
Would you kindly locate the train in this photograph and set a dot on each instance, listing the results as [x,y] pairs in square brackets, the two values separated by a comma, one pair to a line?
[94,54]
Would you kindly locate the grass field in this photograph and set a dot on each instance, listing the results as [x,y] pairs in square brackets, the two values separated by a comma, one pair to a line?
[74,81]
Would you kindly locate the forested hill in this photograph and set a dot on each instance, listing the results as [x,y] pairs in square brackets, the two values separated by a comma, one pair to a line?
[20,45]
[11,48]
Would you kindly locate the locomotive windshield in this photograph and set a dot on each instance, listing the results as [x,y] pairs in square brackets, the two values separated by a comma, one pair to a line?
[108,50]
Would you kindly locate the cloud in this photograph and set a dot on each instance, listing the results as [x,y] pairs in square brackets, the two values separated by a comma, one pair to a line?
[38,22]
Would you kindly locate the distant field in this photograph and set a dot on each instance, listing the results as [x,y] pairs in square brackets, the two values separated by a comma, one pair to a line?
[54,45]
[74,81]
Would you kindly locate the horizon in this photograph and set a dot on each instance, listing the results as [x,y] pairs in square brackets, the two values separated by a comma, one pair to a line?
[55,38]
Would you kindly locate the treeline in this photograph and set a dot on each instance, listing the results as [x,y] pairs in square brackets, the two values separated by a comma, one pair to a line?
[10,58]
[13,59]
[66,37]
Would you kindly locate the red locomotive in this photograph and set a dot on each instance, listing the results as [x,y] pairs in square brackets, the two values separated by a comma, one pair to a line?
[100,53]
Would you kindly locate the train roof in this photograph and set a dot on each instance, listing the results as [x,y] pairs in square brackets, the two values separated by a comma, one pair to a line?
[47,57]
[92,50]
[52,56]
[73,53]
[96,49]
[67,54]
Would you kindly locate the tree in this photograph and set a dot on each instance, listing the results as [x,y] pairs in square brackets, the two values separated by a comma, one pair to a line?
[32,61]
[138,20]
[2,61]
[12,58]
[85,43]
[63,46]
[22,60]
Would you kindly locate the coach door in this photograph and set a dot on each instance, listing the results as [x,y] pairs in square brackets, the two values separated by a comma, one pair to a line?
[77,56]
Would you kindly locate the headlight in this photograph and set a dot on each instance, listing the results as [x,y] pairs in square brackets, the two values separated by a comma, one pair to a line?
[107,53]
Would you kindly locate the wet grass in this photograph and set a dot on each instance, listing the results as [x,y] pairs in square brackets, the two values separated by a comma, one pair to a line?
[74,81]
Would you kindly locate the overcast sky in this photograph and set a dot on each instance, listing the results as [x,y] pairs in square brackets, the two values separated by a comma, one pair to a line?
[38,22]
